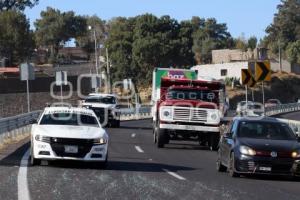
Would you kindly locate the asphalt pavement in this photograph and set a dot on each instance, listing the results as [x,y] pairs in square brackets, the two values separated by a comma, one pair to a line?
[136,170]
[291,116]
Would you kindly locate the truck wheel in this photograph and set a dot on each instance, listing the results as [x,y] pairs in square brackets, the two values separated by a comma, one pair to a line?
[154,127]
[214,141]
[117,123]
[160,138]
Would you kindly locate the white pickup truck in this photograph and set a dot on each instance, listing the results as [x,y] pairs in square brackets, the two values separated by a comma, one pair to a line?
[105,107]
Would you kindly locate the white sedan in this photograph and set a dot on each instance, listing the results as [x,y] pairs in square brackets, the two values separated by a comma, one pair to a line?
[68,133]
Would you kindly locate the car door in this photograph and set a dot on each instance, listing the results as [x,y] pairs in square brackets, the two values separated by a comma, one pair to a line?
[223,142]
[228,142]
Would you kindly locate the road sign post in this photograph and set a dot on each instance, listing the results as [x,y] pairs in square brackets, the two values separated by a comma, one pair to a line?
[26,74]
[61,79]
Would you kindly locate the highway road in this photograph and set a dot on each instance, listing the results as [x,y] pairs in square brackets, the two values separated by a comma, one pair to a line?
[291,116]
[136,170]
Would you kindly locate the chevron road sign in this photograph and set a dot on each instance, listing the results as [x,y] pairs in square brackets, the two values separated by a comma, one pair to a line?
[247,78]
[262,71]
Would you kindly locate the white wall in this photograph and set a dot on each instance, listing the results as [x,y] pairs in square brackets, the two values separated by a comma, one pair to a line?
[214,70]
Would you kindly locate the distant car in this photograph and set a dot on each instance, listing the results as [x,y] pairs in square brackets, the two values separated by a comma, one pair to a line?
[272,102]
[265,146]
[64,133]
[255,109]
[105,107]
[241,107]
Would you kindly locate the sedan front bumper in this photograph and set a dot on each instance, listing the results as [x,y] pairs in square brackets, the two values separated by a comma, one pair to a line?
[190,127]
[267,165]
[46,151]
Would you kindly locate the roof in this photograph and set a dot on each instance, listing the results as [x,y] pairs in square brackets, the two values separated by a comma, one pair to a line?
[256,119]
[101,95]
[65,109]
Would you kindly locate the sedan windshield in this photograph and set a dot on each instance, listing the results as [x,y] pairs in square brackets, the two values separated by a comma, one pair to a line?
[105,100]
[265,130]
[203,95]
[70,119]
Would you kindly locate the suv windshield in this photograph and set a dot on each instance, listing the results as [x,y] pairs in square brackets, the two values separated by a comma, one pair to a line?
[70,119]
[265,130]
[105,100]
[203,95]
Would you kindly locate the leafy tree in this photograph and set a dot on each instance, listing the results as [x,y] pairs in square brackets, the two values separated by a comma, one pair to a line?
[252,42]
[209,35]
[293,52]
[155,44]
[241,42]
[16,39]
[16,4]
[285,28]
[86,39]
[185,55]
[119,44]
[56,27]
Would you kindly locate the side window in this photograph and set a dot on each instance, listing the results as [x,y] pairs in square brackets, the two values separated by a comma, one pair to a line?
[233,128]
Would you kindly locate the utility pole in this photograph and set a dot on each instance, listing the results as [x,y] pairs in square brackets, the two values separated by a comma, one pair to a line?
[280,59]
[108,73]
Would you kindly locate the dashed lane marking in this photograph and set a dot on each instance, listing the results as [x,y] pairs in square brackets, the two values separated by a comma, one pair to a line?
[139,149]
[174,175]
[133,135]
[23,191]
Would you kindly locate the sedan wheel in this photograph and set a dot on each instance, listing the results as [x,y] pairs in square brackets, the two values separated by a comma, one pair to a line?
[232,172]
[220,166]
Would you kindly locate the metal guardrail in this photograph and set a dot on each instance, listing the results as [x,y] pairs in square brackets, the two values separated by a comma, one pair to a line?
[12,127]
[283,108]
[11,123]
[286,108]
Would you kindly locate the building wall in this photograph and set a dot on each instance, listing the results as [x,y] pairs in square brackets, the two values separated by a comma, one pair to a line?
[214,70]
[231,55]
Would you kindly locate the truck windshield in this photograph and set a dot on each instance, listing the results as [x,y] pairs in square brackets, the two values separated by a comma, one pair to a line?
[70,119]
[203,95]
[105,100]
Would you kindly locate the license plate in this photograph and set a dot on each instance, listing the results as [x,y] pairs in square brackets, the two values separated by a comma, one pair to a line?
[71,149]
[266,169]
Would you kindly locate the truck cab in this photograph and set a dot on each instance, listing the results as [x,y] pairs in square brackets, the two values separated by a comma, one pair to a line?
[188,110]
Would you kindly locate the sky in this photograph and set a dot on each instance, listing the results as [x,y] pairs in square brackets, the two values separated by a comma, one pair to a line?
[250,17]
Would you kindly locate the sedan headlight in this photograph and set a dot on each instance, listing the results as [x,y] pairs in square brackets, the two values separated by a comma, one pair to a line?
[247,151]
[100,141]
[166,113]
[296,154]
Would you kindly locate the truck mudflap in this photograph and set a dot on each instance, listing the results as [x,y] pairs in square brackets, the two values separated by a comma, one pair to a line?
[189,127]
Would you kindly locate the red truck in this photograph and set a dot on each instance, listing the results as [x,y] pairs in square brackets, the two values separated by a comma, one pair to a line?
[185,108]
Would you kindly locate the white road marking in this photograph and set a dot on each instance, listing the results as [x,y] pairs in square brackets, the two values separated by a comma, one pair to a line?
[23,191]
[174,175]
[139,149]
[133,135]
